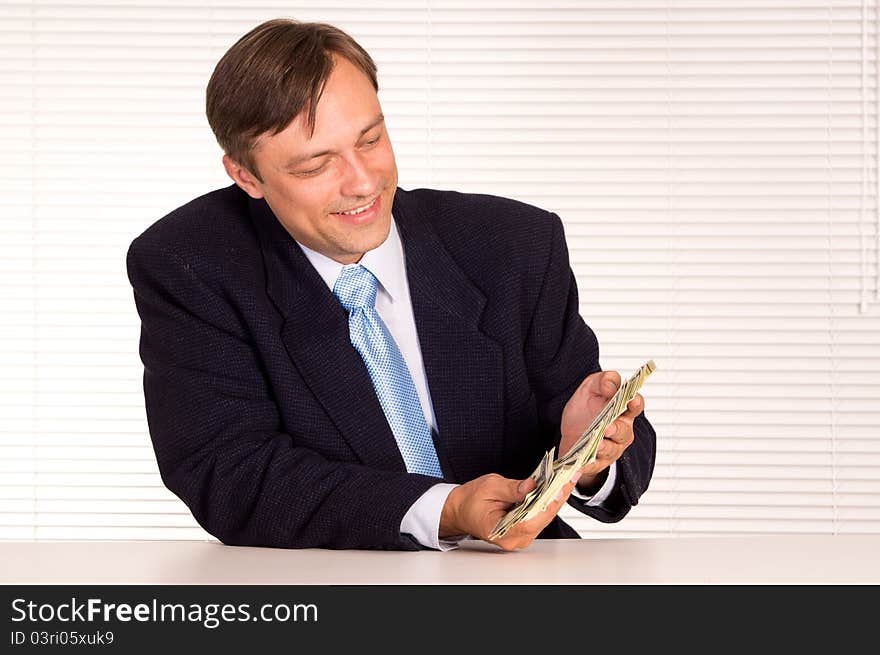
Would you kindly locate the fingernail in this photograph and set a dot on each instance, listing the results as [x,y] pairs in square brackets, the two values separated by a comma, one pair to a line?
[521,487]
[611,431]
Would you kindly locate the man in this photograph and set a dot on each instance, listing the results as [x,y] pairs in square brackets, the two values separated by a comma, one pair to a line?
[331,361]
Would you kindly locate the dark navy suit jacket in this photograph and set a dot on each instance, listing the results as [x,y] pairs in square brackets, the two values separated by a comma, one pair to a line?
[262,415]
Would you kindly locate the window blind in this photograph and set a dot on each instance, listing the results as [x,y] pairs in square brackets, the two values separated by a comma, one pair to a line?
[714,164]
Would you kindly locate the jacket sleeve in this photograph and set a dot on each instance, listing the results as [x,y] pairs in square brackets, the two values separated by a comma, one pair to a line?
[562,350]
[216,431]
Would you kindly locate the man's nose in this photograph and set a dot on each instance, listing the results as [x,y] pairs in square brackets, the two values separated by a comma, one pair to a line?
[358,179]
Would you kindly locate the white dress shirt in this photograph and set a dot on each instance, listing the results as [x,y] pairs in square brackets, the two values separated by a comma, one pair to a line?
[394,306]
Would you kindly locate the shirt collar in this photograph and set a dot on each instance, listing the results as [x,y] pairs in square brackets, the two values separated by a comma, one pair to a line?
[386,262]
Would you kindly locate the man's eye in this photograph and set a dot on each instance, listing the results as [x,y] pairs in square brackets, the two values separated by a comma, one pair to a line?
[313,171]
[372,142]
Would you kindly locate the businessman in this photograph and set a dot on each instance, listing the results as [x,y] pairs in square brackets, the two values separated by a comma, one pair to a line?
[332,361]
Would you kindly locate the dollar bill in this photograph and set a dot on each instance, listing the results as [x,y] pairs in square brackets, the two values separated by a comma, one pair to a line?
[551,475]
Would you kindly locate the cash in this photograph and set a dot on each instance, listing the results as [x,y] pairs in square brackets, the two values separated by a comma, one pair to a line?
[552,475]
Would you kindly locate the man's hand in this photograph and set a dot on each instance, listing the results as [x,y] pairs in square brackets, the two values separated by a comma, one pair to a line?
[476,507]
[580,410]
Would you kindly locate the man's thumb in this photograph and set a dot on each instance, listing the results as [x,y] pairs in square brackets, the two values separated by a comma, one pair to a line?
[525,486]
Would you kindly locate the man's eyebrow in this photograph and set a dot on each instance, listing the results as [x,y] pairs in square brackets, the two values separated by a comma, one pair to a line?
[298,160]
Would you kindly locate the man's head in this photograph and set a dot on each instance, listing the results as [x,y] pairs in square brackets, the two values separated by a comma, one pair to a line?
[294,107]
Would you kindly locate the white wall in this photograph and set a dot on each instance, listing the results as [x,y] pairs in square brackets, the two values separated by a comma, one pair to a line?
[715,165]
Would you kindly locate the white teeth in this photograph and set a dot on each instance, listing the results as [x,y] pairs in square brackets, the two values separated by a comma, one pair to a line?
[359,210]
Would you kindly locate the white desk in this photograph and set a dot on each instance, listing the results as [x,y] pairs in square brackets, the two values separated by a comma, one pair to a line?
[727,560]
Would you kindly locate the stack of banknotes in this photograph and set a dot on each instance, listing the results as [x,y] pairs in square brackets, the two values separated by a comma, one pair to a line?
[551,476]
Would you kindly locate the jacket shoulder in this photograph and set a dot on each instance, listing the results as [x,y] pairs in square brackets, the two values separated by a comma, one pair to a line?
[490,228]
[207,233]
[214,215]
[471,210]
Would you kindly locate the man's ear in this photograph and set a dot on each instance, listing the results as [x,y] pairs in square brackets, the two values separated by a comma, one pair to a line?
[243,178]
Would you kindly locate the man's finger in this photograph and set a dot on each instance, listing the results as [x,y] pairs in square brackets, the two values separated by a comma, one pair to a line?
[610,383]
[633,409]
[605,384]
[510,491]
[538,522]
[620,430]
[636,405]
[609,447]
[524,486]
[616,428]
[561,497]
[619,427]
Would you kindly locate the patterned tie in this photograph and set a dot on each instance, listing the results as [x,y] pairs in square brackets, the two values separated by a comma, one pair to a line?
[356,290]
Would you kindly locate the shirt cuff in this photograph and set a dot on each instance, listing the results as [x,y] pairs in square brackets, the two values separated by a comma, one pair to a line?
[422,520]
[605,490]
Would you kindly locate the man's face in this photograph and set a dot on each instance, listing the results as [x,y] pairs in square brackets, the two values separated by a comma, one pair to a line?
[347,164]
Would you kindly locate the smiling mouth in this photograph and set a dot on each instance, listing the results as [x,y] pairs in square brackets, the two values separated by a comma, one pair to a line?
[359,210]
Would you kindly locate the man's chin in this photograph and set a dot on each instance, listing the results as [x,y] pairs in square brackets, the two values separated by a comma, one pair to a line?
[368,240]
[380,232]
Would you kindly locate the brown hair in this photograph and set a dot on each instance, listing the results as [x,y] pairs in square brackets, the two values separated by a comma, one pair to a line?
[269,76]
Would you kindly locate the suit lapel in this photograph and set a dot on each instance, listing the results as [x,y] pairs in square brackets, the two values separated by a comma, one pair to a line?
[463,365]
[315,334]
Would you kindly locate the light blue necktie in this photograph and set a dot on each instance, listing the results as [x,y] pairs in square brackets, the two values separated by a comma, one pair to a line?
[356,290]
